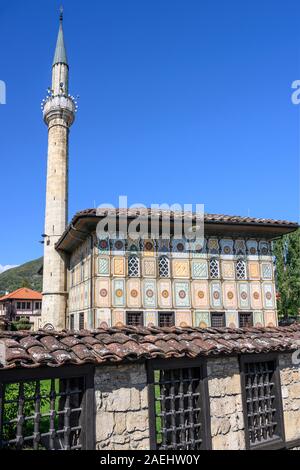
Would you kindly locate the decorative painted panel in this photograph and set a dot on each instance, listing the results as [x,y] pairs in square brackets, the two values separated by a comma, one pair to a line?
[149,293]
[183,318]
[164,294]
[252,247]
[150,318]
[240,247]
[103,246]
[268,295]
[264,248]
[200,297]
[133,246]
[198,248]
[215,294]
[181,268]
[103,266]
[202,319]
[163,246]
[229,295]
[119,292]
[90,319]
[226,246]
[258,318]
[102,293]
[267,271]
[103,318]
[148,247]
[181,294]
[199,269]
[253,267]
[119,266]
[86,294]
[134,293]
[118,317]
[255,294]
[270,318]
[227,268]
[118,246]
[179,248]
[149,267]
[213,246]
[232,319]
[243,295]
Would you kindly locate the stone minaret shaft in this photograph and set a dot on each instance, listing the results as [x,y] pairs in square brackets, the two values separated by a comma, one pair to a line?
[58,112]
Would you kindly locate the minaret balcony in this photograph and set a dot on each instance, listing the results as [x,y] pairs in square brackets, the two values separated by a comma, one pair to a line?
[59,107]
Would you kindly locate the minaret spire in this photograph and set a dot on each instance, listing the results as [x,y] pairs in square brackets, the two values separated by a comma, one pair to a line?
[59,113]
[60,56]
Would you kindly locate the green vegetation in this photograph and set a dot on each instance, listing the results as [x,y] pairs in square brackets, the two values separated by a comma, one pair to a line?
[287,252]
[22,276]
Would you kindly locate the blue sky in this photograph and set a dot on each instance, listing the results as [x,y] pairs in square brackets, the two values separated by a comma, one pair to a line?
[185,101]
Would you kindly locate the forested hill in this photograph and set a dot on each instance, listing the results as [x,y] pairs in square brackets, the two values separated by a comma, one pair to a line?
[25,275]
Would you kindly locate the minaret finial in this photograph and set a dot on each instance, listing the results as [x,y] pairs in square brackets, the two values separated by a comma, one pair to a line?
[61,13]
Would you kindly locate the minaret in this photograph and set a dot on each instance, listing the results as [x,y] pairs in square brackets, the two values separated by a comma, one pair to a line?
[59,113]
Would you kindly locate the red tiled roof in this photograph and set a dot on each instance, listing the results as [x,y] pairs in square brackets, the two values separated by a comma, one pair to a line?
[221,218]
[23,294]
[116,345]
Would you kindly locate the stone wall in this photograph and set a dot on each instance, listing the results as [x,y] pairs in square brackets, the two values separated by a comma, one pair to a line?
[290,389]
[226,409]
[122,407]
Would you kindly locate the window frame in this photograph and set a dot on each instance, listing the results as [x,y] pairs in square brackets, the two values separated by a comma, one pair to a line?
[241,260]
[217,261]
[155,364]
[160,258]
[81,316]
[172,315]
[133,255]
[219,314]
[128,312]
[279,442]
[247,313]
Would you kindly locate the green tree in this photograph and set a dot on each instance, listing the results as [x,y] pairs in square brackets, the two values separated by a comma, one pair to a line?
[287,253]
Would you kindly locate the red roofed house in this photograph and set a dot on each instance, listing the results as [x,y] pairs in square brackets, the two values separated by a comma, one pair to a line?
[22,302]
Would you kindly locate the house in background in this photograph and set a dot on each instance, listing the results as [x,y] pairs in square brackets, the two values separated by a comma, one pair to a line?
[22,303]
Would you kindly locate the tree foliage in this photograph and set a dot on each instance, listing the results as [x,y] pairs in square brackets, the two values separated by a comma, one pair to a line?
[287,253]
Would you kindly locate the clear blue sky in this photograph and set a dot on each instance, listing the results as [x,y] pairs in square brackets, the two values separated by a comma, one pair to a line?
[182,101]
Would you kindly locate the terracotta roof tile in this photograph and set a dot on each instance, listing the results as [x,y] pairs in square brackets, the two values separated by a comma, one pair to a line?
[31,349]
[23,294]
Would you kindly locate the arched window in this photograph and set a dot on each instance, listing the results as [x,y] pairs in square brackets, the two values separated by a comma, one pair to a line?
[240,269]
[133,266]
[164,266]
[214,270]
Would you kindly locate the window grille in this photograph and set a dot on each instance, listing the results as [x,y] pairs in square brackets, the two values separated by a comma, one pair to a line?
[262,402]
[217,320]
[133,266]
[214,270]
[81,321]
[241,269]
[71,322]
[166,319]
[134,319]
[245,319]
[179,406]
[45,413]
[164,266]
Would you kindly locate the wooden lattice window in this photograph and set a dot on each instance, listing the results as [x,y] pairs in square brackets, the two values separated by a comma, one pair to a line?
[47,409]
[164,266]
[214,268]
[134,319]
[166,319]
[133,266]
[262,400]
[245,319]
[240,269]
[217,320]
[179,405]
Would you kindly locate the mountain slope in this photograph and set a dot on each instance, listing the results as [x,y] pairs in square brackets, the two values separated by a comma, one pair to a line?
[25,275]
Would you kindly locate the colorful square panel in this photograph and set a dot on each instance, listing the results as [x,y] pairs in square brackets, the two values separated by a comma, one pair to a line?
[202,319]
[227,268]
[165,294]
[258,318]
[149,267]
[270,318]
[134,293]
[118,317]
[181,268]
[243,295]
[102,293]
[149,293]
[232,320]
[216,295]
[253,267]
[268,295]
[150,318]
[199,269]
[103,318]
[255,294]
[103,266]
[267,271]
[200,296]
[181,294]
[229,295]
[119,266]
[118,293]
[183,319]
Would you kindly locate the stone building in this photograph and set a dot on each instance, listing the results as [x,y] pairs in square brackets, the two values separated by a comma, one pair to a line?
[90,280]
